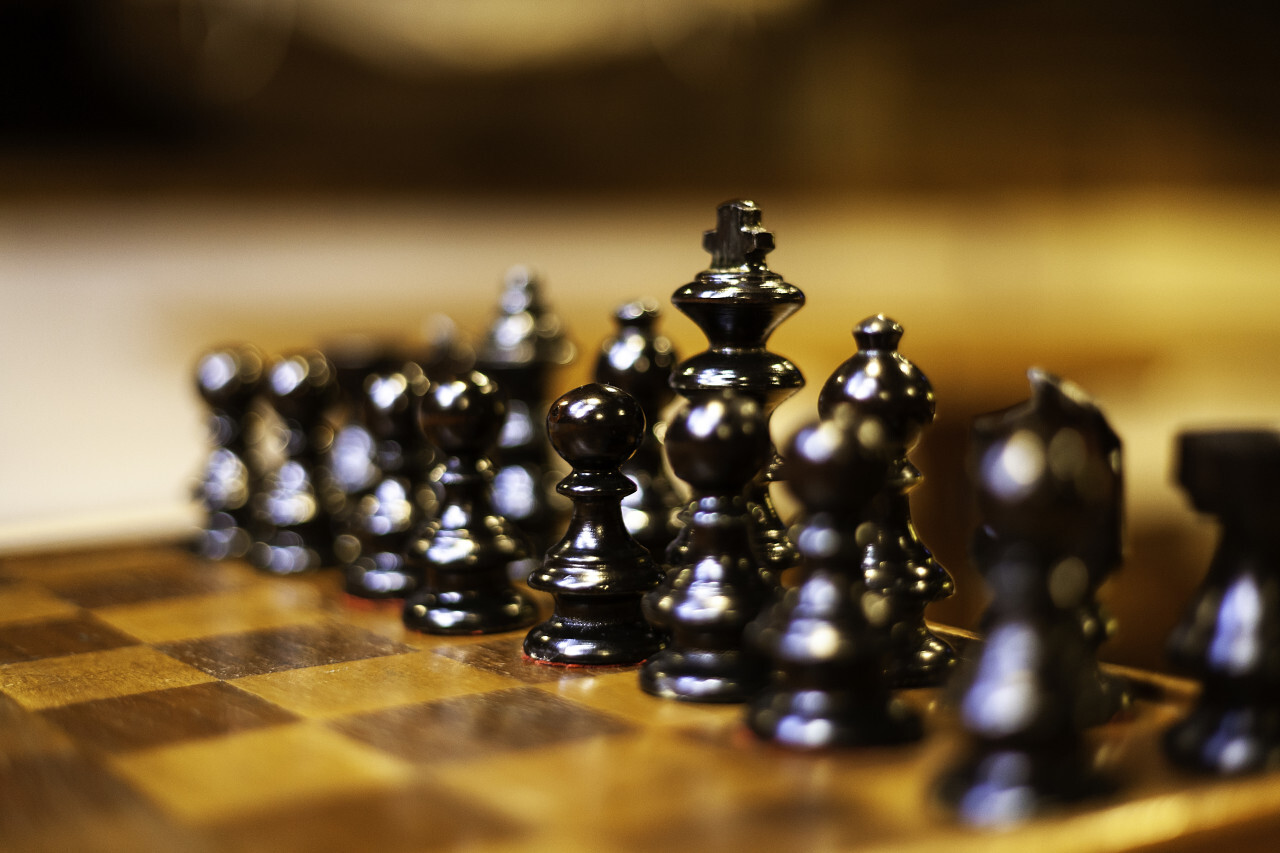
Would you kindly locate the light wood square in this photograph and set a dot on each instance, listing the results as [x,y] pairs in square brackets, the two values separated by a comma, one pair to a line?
[26,602]
[58,681]
[215,779]
[253,608]
[365,685]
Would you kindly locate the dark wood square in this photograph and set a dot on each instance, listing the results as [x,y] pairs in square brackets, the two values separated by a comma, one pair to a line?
[466,726]
[277,649]
[165,716]
[421,817]
[505,656]
[149,583]
[55,637]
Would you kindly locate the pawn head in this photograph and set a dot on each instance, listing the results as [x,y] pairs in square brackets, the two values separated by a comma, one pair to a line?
[596,426]
[838,464]
[463,414]
[719,442]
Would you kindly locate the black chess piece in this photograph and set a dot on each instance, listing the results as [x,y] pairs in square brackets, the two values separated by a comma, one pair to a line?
[379,519]
[351,456]
[1047,475]
[296,507]
[705,602]
[461,556]
[825,638]
[890,392]
[597,572]
[1229,638]
[738,303]
[228,380]
[523,346]
[639,361]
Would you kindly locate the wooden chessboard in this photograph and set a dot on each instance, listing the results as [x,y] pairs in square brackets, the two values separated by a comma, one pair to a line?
[153,701]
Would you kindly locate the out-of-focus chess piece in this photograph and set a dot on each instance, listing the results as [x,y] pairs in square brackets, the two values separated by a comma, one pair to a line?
[1048,480]
[296,507]
[891,395]
[1230,637]
[524,345]
[228,380]
[639,361]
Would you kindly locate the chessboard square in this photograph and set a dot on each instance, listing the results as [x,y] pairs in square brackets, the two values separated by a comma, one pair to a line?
[424,816]
[505,656]
[373,683]
[88,561]
[80,633]
[143,720]
[94,675]
[130,585]
[21,601]
[24,733]
[251,608]
[292,647]
[221,778]
[466,726]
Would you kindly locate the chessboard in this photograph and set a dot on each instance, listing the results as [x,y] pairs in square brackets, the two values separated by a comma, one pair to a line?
[152,700]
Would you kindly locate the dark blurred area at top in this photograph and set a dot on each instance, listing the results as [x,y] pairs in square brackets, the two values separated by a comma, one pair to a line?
[917,96]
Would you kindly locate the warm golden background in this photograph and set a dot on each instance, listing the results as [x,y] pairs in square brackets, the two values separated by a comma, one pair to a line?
[1090,187]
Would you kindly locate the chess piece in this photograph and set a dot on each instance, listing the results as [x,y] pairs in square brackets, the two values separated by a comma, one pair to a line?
[525,343]
[717,446]
[825,638]
[351,456]
[597,572]
[639,361]
[888,390]
[1230,637]
[296,505]
[380,518]
[738,303]
[461,556]
[1047,474]
[228,379]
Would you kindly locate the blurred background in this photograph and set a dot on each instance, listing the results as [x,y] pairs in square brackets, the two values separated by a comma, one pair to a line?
[1088,187]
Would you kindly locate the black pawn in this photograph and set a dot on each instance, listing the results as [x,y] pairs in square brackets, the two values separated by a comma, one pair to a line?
[639,361]
[228,380]
[707,599]
[296,505]
[738,303]
[380,518]
[1230,636]
[525,343]
[1047,475]
[825,637]
[597,572]
[890,392]
[461,556]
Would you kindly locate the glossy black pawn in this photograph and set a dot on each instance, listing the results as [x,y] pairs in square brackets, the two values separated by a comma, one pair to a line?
[351,458]
[707,599]
[380,518]
[525,343]
[597,572]
[295,508]
[1230,637]
[1047,476]
[889,391]
[738,303]
[824,639]
[228,379]
[461,557]
[639,361]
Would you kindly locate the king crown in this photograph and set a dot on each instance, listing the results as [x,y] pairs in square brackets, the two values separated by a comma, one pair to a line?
[738,240]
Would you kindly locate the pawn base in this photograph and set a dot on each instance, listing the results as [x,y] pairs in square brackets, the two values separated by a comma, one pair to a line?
[1226,741]
[584,642]
[287,553]
[814,719]
[365,580]
[1002,787]
[703,676]
[469,612]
